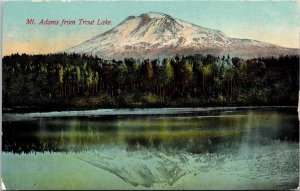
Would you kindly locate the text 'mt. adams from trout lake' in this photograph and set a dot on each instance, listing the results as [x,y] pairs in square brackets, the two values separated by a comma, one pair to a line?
[63,22]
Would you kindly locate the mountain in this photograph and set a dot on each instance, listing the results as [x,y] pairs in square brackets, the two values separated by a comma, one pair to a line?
[153,35]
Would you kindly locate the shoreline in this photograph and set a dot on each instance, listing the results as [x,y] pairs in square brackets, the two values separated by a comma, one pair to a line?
[129,112]
[35,109]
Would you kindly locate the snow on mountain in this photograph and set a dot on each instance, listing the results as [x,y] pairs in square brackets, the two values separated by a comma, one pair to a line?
[152,35]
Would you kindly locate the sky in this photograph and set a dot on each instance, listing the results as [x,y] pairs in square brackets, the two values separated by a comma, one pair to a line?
[274,22]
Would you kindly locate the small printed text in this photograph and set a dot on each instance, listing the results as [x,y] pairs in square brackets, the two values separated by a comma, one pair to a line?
[67,22]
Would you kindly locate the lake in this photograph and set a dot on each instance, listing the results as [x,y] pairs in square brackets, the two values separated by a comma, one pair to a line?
[168,148]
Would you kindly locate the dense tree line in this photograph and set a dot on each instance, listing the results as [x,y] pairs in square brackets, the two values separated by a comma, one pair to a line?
[74,80]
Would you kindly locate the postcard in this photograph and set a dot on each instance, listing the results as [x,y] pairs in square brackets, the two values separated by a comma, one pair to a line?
[179,95]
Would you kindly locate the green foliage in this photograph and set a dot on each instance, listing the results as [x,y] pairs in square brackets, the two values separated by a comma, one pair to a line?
[86,81]
[126,100]
[221,99]
[60,74]
[187,70]
[78,75]
[150,99]
[167,71]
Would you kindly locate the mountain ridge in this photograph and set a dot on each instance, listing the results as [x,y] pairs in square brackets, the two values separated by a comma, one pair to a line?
[153,34]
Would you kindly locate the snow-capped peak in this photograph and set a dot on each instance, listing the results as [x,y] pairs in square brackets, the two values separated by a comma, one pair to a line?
[153,34]
[154,15]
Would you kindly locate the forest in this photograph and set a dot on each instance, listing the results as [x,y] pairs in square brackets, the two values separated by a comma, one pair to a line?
[72,81]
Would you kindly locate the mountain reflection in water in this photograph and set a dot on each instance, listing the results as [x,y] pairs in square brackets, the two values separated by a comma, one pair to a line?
[194,133]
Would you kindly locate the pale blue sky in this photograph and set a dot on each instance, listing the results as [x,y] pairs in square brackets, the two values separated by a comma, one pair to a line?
[274,22]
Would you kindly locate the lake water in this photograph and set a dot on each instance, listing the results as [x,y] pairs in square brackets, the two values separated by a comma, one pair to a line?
[187,148]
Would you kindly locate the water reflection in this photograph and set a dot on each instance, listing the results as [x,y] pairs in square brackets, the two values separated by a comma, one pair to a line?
[195,133]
